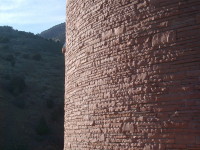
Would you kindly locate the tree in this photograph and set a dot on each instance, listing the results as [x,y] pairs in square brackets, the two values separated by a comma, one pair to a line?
[5,40]
[42,127]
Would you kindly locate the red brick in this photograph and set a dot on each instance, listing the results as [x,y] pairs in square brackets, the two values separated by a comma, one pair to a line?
[132,74]
[160,66]
[167,141]
[163,24]
[197,87]
[198,140]
[165,108]
[176,89]
[163,115]
[169,130]
[198,18]
[188,33]
[170,83]
[178,96]
[193,147]
[176,146]
[153,2]
[161,135]
[182,139]
[190,102]
[159,89]
[188,28]
[144,39]
[172,124]
[174,76]
[193,73]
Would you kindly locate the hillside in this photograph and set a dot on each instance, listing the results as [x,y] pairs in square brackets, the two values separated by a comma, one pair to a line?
[31,91]
[56,33]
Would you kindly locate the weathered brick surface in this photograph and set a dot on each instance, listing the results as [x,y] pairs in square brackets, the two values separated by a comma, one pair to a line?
[132,75]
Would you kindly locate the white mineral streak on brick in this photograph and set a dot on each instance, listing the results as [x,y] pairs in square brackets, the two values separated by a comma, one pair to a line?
[164,38]
[119,30]
[108,34]
[128,127]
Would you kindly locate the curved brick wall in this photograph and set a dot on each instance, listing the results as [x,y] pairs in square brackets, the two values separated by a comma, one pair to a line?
[132,75]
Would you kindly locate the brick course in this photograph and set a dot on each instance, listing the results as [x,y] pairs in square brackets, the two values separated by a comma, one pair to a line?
[132,75]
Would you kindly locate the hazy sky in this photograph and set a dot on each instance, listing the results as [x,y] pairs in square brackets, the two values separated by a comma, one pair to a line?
[32,15]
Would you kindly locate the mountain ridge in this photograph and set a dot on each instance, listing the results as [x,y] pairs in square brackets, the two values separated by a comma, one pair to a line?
[56,33]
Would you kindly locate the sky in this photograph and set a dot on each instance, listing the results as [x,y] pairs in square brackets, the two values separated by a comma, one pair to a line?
[32,15]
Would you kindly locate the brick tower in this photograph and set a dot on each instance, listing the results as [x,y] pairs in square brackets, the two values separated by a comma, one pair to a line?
[132,77]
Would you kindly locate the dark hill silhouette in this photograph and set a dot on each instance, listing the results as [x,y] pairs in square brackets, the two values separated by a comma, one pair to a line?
[31,91]
[56,33]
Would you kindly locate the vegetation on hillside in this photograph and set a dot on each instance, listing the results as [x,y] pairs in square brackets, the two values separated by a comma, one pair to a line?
[56,33]
[31,91]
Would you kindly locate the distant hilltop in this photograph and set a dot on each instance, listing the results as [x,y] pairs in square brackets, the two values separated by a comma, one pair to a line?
[56,33]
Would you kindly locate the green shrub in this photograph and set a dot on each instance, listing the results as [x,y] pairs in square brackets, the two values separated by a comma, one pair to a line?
[61,109]
[8,28]
[4,40]
[16,91]
[26,56]
[5,47]
[22,32]
[42,127]
[7,76]
[16,85]
[19,102]
[17,53]
[13,35]
[10,57]
[12,63]
[36,56]
[17,146]
[50,103]
[21,147]
[54,115]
